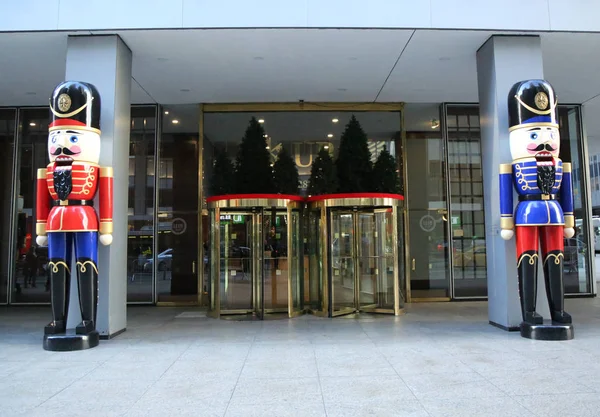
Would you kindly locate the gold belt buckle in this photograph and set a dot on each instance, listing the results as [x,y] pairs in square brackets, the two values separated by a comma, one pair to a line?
[64,203]
[545,197]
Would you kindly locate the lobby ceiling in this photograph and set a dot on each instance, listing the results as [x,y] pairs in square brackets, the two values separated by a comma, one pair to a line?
[314,65]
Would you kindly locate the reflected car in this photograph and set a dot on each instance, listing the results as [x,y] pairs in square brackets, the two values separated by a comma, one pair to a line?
[164,261]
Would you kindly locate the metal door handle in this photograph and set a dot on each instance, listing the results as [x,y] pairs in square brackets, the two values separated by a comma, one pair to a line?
[414,264]
[193,267]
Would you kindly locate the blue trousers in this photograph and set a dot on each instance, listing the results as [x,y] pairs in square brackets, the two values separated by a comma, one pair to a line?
[60,244]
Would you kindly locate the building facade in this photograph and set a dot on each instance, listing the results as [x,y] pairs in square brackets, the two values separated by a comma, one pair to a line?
[182,79]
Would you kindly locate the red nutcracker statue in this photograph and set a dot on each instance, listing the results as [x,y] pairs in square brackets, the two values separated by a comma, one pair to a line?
[544,213]
[66,217]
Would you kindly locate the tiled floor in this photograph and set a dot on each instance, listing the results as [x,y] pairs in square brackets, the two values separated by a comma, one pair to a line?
[438,360]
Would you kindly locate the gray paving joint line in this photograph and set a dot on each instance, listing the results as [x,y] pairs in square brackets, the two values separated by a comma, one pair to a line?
[395,370]
[240,375]
[319,377]
[98,365]
[155,382]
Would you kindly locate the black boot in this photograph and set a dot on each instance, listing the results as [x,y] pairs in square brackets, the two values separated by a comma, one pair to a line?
[60,285]
[87,274]
[553,275]
[527,267]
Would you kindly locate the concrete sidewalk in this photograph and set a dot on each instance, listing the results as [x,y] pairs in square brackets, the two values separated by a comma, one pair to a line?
[437,360]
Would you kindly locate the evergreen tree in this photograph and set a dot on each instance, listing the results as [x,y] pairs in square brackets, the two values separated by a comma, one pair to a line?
[285,174]
[385,176]
[354,167]
[253,168]
[223,176]
[323,178]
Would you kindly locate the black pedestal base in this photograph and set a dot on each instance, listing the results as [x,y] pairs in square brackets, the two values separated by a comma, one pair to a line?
[70,341]
[547,331]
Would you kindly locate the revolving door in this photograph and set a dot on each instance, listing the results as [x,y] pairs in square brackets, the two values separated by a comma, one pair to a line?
[255,246]
[362,254]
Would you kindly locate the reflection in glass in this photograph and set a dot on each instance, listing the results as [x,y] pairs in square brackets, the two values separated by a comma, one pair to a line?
[140,242]
[301,133]
[427,203]
[7,143]
[236,284]
[466,196]
[577,249]
[30,280]
[275,268]
[177,265]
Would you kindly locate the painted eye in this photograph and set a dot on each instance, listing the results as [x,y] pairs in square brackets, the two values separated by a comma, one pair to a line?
[533,136]
[73,139]
[54,140]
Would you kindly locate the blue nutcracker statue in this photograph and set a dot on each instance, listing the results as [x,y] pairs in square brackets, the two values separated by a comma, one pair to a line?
[544,212]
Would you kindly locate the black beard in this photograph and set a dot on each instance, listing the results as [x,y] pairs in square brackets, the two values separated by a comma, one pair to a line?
[546,178]
[63,183]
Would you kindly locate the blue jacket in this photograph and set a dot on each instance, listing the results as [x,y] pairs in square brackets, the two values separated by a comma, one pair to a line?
[522,175]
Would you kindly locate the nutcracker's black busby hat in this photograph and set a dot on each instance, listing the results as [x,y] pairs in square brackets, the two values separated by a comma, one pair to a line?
[75,105]
[532,102]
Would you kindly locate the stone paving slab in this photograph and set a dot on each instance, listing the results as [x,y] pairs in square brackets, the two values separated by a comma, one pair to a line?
[440,359]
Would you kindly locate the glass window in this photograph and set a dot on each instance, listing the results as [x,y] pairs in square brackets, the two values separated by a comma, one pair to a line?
[466,197]
[577,249]
[177,266]
[7,143]
[301,133]
[30,282]
[140,242]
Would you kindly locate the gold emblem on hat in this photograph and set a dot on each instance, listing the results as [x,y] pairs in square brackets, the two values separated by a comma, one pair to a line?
[64,102]
[541,100]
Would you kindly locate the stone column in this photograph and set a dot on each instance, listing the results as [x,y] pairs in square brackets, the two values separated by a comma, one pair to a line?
[501,62]
[105,61]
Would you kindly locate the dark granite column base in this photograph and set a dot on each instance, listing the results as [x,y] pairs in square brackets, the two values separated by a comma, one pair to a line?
[547,331]
[71,341]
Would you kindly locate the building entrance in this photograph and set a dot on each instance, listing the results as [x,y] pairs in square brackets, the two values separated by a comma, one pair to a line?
[256,271]
[362,261]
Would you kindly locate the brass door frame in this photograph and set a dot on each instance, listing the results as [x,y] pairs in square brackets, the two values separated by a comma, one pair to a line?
[357,308]
[251,207]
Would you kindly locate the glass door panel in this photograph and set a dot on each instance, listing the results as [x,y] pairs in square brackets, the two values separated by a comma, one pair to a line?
[368,256]
[177,265]
[236,269]
[276,269]
[427,216]
[30,282]
[295,284]
[343,297]
[7,143]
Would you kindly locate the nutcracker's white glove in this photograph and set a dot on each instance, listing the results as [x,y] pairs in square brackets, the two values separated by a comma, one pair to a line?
[41,240]
[106,239]
[507,234]
[568,232]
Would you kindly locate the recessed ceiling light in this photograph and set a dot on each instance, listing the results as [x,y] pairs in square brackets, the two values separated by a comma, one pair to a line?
[265,136]
[334,120]
[330,135]
[326,147]
[32,124]
[268,147]
[166,111]
[261,120]
[175,121]
[272,164]
[185,90]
